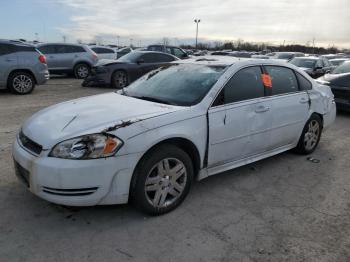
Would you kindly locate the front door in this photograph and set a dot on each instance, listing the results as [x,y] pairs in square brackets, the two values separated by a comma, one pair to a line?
[239,119]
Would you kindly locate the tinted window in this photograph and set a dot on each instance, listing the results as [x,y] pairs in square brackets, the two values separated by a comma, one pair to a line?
[304,62]
[245,84]
[283,80]
[6,49]
[99,50]
[47,49]
[178,52]
[25,48]
[74,49]
[156,58]
[304,84]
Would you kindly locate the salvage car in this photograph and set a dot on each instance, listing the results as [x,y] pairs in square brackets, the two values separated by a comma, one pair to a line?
[314,66]
[120,73]
[339,82]
[147,143]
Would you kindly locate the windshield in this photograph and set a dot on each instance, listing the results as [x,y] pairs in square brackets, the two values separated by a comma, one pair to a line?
[302,62]
[130,57]
[343,68]
[178,84]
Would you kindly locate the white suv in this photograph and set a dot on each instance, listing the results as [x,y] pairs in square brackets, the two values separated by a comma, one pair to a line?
[185,122]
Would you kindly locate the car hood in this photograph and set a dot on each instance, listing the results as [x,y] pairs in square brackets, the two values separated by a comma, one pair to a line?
[94,114]
[306,69]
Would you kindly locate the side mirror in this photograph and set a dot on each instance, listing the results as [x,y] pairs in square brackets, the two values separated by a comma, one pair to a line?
[140,61]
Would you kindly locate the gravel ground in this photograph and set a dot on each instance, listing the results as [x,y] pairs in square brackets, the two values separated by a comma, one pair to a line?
[284,208]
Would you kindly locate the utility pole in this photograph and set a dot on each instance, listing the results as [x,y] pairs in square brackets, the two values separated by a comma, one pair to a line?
[64,38]
[131,42]
[118,40]
[313,45]
[197,21]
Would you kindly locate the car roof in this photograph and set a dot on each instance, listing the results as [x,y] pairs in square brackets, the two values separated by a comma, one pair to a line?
[307,57]
[228,61]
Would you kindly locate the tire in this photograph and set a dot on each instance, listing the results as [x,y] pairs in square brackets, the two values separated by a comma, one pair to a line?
[81,70]
[21,83]
[156,187]
[119,79]
[310,137]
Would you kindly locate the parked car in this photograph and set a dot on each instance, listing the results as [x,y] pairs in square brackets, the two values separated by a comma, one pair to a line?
[339,81]
[123,51]
[314,66]
[69,58]
[174,50]
[120,73]
[104,52]
[224,53]
[243,54]
[22,67]
[286,56]
[338,61]
[147,143]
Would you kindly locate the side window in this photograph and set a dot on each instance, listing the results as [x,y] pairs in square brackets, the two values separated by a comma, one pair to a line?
[178,52]
[149,58]
[24,48]
[283,80]
[319,63]
[304,84]
[6,49]
[61,49]
[245,84]
[106,51]
[74,49]
[47,49]
[326,63]
[164,58]
[97,50]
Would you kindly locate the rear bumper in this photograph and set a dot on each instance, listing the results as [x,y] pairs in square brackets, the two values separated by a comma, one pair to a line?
[42,77]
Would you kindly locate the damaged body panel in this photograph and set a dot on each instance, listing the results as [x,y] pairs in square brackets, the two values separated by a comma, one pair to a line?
[211,117]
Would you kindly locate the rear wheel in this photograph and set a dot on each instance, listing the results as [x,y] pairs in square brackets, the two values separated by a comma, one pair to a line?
[162,180]
[21,83]
[310,136]
[81,70]
[119,79]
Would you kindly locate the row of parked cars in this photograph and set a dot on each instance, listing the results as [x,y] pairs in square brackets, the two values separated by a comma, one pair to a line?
[22,66]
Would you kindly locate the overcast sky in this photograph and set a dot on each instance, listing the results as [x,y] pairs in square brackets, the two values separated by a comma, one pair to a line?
[295,21]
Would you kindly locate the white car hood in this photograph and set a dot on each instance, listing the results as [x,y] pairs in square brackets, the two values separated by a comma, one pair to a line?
[91,114]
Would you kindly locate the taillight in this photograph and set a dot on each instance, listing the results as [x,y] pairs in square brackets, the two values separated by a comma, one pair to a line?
[42,59]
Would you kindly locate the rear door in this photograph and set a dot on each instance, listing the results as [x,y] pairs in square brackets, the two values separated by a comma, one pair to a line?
[239,119]
[289,105]
[8,61]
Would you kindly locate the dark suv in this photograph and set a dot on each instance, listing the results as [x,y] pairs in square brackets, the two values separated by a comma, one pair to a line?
[176,51]
[22,66]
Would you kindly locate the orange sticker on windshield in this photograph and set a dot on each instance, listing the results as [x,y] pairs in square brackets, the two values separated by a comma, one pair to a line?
[266,79]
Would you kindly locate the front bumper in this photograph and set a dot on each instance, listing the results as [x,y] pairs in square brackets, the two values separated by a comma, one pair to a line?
[75,182]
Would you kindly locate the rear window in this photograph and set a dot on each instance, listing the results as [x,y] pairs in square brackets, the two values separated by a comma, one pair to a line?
[283,80]
[25,48]
[100,50]
[6,49]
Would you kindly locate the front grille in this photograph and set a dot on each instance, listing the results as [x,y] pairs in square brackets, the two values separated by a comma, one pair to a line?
[70,191]
[21,173]
[30,144]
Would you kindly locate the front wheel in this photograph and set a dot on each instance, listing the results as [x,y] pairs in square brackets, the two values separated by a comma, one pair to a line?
[81,71]
[310,136]
[162,180]
[119,79]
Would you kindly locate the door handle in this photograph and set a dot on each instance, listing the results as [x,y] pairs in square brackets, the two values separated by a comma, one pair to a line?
[262,109]
[303,101]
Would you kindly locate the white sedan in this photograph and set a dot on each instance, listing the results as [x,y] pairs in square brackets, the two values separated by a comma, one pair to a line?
[147,143]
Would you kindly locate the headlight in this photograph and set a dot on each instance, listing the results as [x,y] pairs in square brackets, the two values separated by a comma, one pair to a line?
[87,147]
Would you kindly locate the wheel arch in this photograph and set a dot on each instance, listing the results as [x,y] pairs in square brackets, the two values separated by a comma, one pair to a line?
[183,143]
[26,70]
[123,70]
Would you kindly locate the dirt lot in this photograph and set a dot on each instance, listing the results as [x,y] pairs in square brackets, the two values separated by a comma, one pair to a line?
[284,208]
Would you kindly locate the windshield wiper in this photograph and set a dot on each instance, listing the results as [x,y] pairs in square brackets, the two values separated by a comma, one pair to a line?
[154,99]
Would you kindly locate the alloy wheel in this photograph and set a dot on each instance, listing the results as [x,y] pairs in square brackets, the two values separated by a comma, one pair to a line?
[165,182]
[312,135]
[22,84]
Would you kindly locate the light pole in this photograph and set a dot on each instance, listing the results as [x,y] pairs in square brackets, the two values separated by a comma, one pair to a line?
[197,21]
[118,40]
